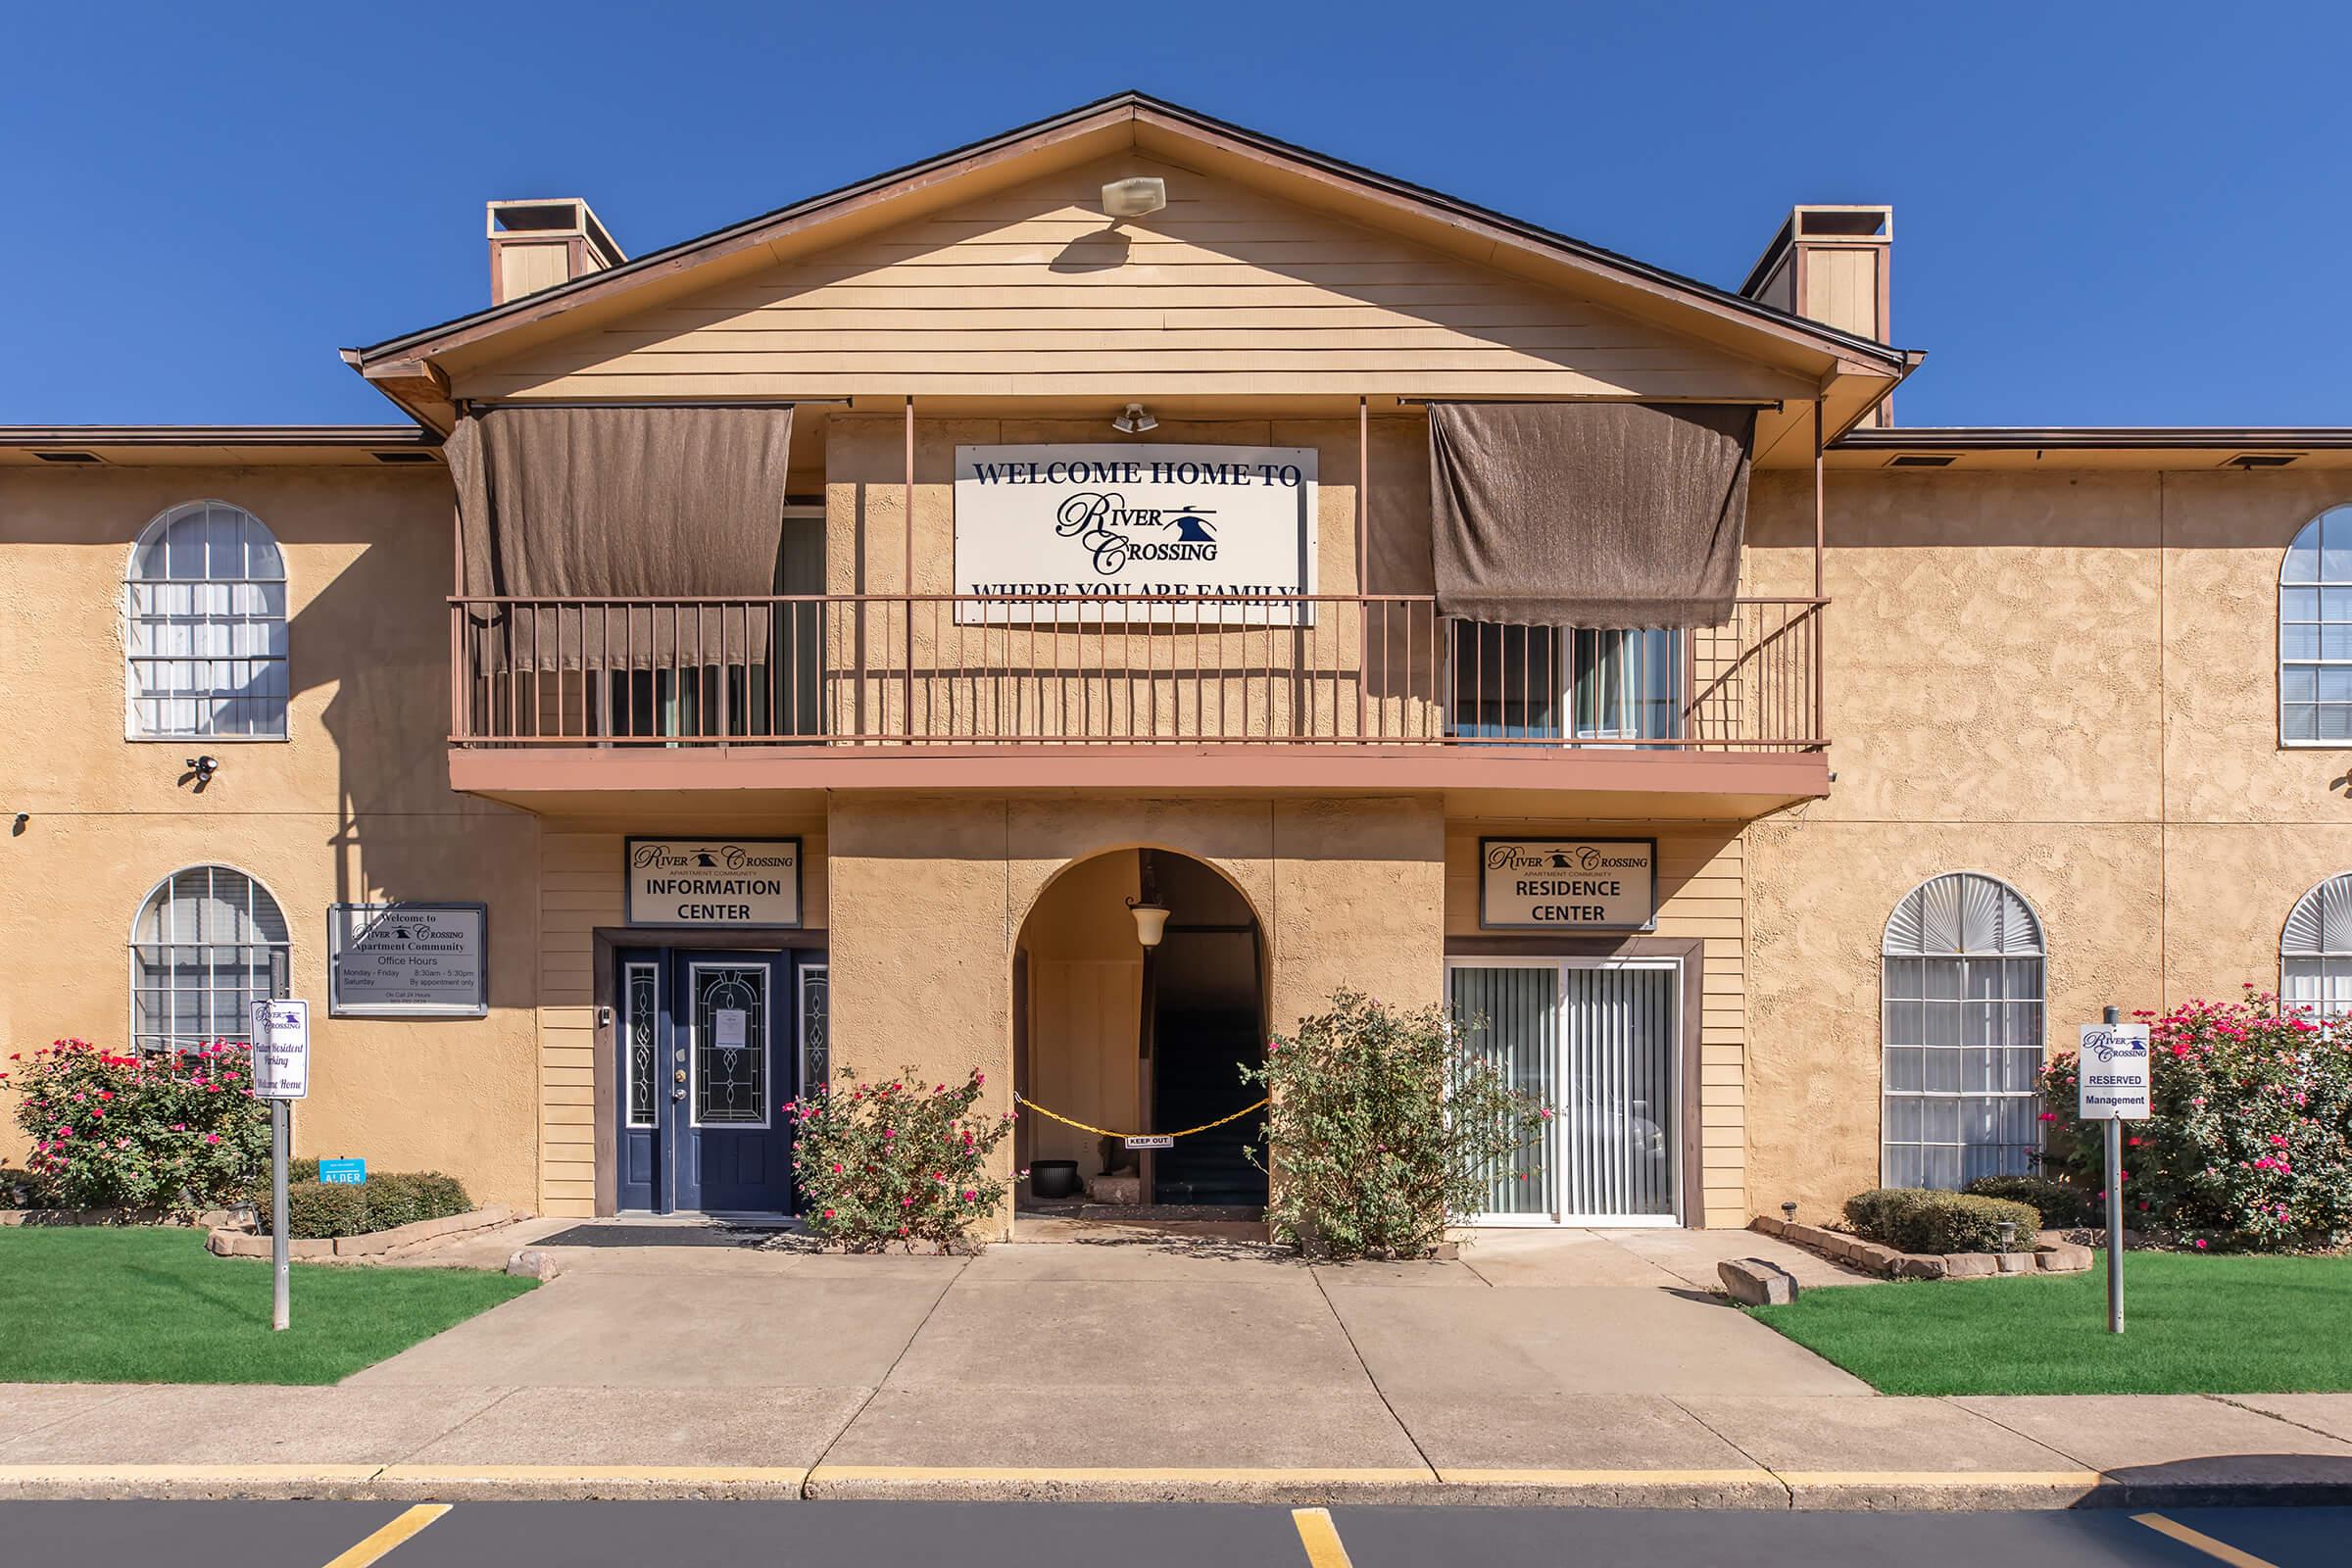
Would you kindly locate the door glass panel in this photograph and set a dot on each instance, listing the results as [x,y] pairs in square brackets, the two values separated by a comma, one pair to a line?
[1510,1017]
[1617,1114]
[639,1017]
[730,1045]
[816,1056]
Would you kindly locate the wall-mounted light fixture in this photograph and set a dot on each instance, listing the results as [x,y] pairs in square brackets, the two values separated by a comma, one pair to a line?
[1150,921]
[1134,420]
[1139,197]
[201,769]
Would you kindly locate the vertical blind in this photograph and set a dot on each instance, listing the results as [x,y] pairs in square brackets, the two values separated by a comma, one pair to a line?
[1597,1045]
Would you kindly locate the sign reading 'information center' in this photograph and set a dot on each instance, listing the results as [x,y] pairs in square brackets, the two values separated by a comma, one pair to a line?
[723,882]
[1567,884]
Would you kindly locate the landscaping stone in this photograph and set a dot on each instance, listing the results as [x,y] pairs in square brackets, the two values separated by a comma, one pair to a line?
[533,1263]
[1970,1266]
[2062,1258]
[228,1243]
[1753,1281]
[1123,1190]
[2017,1263]
[1920,1266]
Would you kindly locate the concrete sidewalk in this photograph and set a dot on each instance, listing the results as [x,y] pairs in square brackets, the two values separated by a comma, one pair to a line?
[1586,1368]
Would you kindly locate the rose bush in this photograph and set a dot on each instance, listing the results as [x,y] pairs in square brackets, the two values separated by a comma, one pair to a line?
[896,1161]
[141,1132]
[2250,1144]
[1382,1130]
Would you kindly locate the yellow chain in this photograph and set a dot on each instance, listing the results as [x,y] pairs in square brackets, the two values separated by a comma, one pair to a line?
[1104,1132]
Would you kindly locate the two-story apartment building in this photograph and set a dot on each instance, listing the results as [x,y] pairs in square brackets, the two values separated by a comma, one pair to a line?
[1071,607]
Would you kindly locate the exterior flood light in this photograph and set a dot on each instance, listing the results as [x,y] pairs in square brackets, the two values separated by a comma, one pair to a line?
[1133,420]
[1139,197]
[1150,921]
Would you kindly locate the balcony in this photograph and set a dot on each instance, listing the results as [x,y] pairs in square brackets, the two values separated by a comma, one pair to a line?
[1325,693]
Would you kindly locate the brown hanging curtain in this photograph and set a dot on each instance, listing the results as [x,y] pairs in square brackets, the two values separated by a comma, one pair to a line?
[621,503]
[1599,515]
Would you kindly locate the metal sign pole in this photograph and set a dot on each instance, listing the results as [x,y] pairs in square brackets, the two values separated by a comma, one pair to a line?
[280,1309]
[2115,1212]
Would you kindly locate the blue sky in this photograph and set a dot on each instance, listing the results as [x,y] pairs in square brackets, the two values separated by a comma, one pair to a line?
[2104,215]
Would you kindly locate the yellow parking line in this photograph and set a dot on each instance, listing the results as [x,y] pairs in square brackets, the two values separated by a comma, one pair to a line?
[381,1544]
[2203,1542]
[1320,1539]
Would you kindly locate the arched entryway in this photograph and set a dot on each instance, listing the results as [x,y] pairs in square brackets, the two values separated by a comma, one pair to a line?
[1139,1039]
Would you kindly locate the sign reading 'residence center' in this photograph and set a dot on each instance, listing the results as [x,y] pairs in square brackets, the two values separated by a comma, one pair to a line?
[1134,523]
[714,882]
[1568,884]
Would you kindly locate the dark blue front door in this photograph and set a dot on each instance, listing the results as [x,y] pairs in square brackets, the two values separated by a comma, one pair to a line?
[709,1046]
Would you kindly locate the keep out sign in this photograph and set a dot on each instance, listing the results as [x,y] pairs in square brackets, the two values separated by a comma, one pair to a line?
[706,882]
[1567,884]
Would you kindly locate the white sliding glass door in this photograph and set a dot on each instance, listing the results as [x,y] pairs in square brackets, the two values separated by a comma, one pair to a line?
[1598,1039]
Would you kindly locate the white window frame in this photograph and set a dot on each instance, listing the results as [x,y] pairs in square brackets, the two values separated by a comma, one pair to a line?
[694,1055]
[1887,951]
[1558,1126]
[1561,684]
[284,952]
[2321,585]
[133,690]
[2319,931]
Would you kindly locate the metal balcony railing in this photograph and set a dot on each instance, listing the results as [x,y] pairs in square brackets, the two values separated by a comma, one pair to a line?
[967,670]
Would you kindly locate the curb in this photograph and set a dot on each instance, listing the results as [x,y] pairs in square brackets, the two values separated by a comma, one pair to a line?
[1741,1489]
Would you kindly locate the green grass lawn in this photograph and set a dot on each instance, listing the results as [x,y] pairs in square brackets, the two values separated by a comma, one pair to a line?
[92,1305]
[2192,1325]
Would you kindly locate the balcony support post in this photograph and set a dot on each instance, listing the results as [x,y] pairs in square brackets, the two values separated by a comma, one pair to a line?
[906,582]
[1821,530]
[1363,565]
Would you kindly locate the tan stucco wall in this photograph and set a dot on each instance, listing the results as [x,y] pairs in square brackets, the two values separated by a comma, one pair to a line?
[929,894]
[1701,895]
[353,805]
[2066,680]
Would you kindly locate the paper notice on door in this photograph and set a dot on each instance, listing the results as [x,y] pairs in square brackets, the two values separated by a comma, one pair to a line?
[727,1025]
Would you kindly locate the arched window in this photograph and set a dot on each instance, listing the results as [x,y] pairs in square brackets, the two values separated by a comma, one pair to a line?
[209,942]
[2315,633]
[1963,996]
[204,607]
[2315,952]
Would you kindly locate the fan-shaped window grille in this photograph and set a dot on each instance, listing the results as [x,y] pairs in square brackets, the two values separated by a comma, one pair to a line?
[2315,633]
[208,943]
[2315,955]
[1963,1042]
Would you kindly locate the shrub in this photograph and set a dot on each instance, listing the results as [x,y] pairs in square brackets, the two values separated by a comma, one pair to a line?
[895,1161]
[1383,1129]
[316,1210]
[2059,1202]
[141,1132]
[1915,1219]
[2250,1143]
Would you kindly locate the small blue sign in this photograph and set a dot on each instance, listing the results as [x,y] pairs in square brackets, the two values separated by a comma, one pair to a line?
[347,1172]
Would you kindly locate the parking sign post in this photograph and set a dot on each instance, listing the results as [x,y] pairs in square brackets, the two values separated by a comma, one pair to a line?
[2112,1086]
[282,1074]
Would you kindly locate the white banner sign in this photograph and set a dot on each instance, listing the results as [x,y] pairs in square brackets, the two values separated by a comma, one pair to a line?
[408,961]
[2114,1072]
[282,1050]
[1149,521]
[714,882]
[1567,884]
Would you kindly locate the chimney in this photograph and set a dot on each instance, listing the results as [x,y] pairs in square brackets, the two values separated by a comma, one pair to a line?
[536,245]
[1829,263]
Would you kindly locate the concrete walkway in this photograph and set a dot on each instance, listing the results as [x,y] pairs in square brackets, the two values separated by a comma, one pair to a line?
[1585,1367]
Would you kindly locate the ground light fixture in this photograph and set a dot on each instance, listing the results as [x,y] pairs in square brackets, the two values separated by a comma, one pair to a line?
[1788,1211]
[1139,197]
[1150,921]
[2008,1232]
[1134,420]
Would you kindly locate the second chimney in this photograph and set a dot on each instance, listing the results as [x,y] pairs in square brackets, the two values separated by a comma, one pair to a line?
[1829,263]
[536,245]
